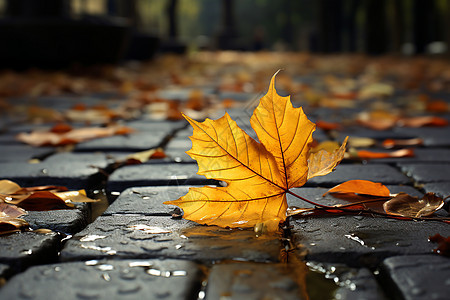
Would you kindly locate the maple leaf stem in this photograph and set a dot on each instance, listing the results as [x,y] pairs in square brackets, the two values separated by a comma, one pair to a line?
[309,201]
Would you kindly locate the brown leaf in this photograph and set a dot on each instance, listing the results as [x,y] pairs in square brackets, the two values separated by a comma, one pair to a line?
[42,200]
[409,206]
[10,225]
[10,211]
[423,121]
[443,244]
[361,187]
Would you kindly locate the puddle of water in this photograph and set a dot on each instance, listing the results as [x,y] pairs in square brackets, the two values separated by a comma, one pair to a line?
[148,229]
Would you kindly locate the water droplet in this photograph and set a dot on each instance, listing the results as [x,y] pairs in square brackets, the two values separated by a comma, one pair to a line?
[358,217]
[149,229]
[44,171]
[312,244]
[129,288]
[179,273]
[91,237]
[139,264]
[115,193]
[91,262]
[57,269]
[201,295]
[27,252]
[106,277]
[154,272]
[403,244]
[105,267]
[178,247]
[183,236]
[88,294]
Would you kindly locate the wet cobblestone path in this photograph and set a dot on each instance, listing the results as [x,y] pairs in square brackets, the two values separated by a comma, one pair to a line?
[131,246]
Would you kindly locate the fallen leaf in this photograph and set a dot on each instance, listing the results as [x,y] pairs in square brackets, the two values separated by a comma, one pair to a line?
[258,175]
[360,187]
[324,162]
[146,155]
[360,142]
[42,200]
[11,225]
[423,121]
[409,206]
[40,138]
[327,125]
[365,154]
[75,196]
[443,244]
[10,211]
[391,143]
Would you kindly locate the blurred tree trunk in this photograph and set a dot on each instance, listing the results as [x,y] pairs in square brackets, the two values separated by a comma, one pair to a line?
[351,24]
[375,27]
[398,26]
[422,20]
[227,35]
[330,26]
[172,16]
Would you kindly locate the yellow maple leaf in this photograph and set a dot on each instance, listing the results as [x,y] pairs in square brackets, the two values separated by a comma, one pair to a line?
[258,174]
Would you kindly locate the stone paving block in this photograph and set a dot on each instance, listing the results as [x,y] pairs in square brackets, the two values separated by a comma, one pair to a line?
[434,155]
[417,277]
[432,136]
[134,142]
[9,139]
[425,173]
[154,175]
[377,173]
[67,221]
[96,160]
[23,249]
[22,153]
[73,175]
[183,143]
[442,189]
[363,240]
[178,155]
[127,279]
[137,236]
[146,200]
[156,126]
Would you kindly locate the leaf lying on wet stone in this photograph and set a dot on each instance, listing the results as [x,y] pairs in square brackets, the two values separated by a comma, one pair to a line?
[41,197]
[9,218]
[408,206]
[258,174]
[360,187]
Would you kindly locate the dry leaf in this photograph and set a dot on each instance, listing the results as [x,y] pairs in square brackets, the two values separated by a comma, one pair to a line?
[360,187]
[365,154]
[443,244]
[144,156]
[258,175]
[49,138]
[9,218]
[423,121]
[391,143]
[408,206]
[324,162]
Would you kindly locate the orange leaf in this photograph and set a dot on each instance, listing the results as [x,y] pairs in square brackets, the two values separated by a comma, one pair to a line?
[42,200]
[361,187]
[390,143]
[258,175]
[423,121]
[365,154]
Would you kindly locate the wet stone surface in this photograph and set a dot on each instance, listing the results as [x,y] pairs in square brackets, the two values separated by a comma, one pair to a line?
[417,277]
[21,250]
[146,200]
[377,173]
[425,173]
[135,236]
[68,221]
[126,279]
[22,153]
[92,160]
[134,142]
[156,175]
[363,240]
[73,175]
